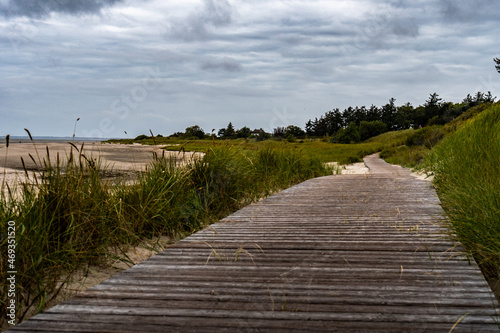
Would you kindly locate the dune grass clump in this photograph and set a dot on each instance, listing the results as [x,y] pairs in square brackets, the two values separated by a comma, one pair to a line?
[467,175]
[62,216]
[69,215]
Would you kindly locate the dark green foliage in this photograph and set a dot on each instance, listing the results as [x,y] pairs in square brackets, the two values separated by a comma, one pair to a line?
[328,124]
[141,137]
[262,135]
[436,121]
[433,112]
[279,132]
[244,132]
[350,134]
[194,132]
[368,129]
[389,112]
[405,116]
[432,107]
[228,132]
[295,131]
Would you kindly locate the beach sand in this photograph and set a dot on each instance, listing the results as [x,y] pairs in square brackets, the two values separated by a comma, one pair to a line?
[119,158]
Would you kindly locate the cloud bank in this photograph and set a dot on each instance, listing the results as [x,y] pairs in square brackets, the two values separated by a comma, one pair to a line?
[40,9]
[130,66]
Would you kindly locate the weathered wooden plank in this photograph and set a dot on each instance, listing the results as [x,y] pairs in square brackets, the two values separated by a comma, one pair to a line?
[277,305]
[307,297]
[258,314]
[129,323]
[351,253]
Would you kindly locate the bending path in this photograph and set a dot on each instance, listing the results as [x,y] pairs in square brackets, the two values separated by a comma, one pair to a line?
[350,253]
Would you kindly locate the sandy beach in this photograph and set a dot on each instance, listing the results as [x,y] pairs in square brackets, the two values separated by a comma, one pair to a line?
[120,158]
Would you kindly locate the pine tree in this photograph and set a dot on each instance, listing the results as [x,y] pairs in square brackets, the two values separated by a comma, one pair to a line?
[230,132]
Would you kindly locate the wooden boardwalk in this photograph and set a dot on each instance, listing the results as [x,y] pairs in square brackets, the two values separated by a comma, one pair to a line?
[350,253]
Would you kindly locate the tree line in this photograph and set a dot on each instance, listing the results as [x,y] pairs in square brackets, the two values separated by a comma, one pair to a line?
[353,124]
[359,123]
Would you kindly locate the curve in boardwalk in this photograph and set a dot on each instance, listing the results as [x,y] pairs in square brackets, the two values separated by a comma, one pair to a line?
[350,253]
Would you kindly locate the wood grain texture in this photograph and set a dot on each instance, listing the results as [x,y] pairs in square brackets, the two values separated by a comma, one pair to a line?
[349,253]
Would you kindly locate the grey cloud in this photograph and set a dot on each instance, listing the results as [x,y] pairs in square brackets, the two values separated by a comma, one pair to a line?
[405,26]
[198,26]
[378,27]
[38,9]
[268,50]
[465,10]
[226,64]
[456,11]
[217,12]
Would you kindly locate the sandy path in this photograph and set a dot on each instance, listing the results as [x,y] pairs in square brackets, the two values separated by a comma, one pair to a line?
[361,169]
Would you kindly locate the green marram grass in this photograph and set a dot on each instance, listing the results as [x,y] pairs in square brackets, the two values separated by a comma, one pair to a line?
[466,165]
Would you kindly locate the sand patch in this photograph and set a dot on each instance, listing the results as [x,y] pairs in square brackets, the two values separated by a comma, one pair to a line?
[423,176]
[88,277]
[361,169]
[349,169]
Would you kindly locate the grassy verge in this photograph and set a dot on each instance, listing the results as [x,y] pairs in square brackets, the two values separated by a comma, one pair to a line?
[68,216]
[464,156]
[467,176]
[416,145]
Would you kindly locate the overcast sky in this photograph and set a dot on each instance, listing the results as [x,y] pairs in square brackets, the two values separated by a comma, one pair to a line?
[165,65]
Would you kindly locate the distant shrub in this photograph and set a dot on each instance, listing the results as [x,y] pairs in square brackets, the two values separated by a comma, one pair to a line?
[262,135]
[194,132]
[348,134]
[141,137]
[369,129]
[427,136]
[295,131]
